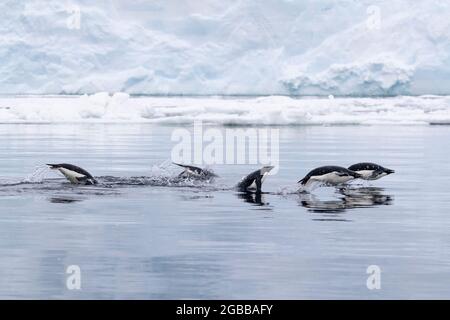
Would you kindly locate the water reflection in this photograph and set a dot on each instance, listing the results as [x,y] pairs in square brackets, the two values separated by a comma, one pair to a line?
[256,199]
[135,240]
[348,198]
[365,196]
[64,199]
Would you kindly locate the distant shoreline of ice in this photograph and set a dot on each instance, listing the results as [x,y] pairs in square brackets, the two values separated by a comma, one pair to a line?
[225,110]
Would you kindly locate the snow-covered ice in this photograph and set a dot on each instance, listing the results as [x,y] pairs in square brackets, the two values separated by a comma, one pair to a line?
[270,110]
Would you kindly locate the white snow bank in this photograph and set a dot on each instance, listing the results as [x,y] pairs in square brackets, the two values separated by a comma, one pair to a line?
[271,110]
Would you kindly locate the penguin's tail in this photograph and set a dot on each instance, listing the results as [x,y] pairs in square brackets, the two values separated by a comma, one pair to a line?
[303,181]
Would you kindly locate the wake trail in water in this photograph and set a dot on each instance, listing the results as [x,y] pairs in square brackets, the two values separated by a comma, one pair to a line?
[60,190]
[161,176]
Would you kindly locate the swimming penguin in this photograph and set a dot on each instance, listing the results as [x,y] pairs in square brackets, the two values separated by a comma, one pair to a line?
[370,171]
[74,174]
[330,175]
[195,172]
[253,182]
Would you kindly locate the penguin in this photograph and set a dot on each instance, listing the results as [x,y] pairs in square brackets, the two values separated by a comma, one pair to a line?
[330,175]
[370,171]
[74,174]
[195,172]
[254,181]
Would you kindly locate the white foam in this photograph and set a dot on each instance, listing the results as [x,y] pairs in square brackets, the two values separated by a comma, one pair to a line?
[271,110]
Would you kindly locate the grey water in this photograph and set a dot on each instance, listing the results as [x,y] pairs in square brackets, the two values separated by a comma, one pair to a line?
[138,236]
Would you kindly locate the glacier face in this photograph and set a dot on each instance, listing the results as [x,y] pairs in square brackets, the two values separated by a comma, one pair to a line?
[306,47]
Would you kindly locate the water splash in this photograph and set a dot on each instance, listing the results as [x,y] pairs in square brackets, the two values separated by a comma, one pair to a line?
[155,181]
[287,190]
[310,186]
[38,175]
[163,170]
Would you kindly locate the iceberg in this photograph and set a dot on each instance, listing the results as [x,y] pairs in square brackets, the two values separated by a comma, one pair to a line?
[185,47]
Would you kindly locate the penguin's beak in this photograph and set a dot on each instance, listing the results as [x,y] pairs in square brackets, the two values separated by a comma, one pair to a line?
[389,171]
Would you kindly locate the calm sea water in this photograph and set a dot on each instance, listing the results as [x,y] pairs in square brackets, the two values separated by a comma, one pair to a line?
[133,238]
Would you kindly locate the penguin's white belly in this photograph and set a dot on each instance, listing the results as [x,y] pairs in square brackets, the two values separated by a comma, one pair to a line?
[264,177]
[366,174]
[332,178]
[378,176]
[369,174]
[381,175]
[253,185]
[72,176]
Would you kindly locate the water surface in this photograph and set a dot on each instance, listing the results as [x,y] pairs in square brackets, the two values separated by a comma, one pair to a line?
[143,239]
